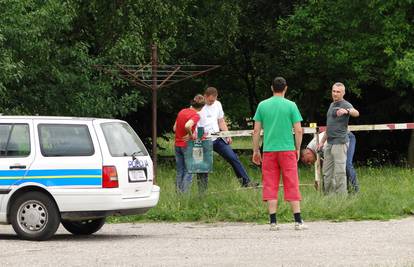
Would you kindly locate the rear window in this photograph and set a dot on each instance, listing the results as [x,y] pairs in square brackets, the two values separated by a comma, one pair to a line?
[122,140]
[14,140]
[65,140]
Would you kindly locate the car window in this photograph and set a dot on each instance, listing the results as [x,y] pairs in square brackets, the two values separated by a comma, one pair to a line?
[122,140]
[14,140]
[65,140]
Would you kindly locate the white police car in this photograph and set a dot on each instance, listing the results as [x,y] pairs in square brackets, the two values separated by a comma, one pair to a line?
[74,171]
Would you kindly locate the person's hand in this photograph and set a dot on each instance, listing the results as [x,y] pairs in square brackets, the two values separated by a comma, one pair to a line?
[297,155]
[341,112]
[187,137]
[317,185]
[320,147]
[229,140]
[257,158]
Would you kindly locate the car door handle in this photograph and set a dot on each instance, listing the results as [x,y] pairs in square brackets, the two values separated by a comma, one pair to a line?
[17,166]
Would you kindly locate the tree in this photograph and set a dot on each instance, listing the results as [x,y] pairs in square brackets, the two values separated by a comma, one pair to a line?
[404,72]
[47,72]
[357,42]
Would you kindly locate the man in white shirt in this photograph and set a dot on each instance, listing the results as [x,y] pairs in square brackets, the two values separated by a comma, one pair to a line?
[308,157]
[212,119]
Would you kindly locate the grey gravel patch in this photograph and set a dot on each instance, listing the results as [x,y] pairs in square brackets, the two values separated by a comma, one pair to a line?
[362,243]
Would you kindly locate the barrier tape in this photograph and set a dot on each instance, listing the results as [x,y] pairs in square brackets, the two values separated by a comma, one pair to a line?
[312,130]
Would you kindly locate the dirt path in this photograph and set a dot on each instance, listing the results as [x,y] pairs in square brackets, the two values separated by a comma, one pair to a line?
[365,243]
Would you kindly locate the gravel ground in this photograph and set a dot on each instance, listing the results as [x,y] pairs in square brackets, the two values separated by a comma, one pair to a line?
[364,243]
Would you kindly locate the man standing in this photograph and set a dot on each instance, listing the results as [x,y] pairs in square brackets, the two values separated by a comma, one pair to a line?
[337,118]
[308,157]
[212,119]
[184,127]
[276,116]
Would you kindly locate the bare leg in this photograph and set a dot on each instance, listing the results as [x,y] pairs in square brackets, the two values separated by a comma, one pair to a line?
[272,206]
[295,206]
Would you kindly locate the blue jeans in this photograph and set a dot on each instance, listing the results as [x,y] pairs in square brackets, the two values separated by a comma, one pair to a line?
[350,171]
[225,150]
[183,178]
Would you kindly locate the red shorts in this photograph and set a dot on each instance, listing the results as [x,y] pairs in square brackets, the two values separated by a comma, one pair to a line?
[274,163]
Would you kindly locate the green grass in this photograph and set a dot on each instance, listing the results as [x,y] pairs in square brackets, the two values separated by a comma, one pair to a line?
[386,193]
[244,142]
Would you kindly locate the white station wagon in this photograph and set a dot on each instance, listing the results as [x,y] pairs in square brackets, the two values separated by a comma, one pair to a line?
[74,171]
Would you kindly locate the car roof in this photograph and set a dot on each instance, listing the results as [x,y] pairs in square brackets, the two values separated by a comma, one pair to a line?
[55,118]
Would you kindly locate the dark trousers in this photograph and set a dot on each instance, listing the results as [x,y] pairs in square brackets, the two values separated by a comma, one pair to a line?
[225,150]
[350,171]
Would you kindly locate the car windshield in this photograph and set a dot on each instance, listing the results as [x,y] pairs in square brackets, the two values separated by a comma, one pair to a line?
[122,140]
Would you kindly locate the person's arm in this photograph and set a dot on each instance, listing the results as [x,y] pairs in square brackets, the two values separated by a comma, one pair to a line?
[257,157]
[221,121]
[223,127]
[322,141]
[297,128]
[188,128]
[175,126]
[353,112]
[188,125]
[347,111]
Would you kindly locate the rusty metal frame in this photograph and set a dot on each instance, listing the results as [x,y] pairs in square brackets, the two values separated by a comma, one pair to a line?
[160,76]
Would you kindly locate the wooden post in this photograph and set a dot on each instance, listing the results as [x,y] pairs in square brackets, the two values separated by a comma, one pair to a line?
[154,108]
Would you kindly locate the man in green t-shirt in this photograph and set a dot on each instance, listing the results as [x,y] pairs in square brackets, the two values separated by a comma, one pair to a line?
[281,151]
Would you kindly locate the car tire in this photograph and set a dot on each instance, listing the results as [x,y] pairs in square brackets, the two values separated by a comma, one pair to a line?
[34,216]
[84,227]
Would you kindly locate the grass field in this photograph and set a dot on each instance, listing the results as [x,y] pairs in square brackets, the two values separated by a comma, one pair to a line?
[386,193]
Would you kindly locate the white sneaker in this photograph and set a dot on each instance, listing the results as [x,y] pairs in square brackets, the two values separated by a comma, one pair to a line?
[300,226]
[274,227]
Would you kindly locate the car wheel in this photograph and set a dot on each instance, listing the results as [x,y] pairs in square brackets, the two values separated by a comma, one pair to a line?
[34,216]
[85,227]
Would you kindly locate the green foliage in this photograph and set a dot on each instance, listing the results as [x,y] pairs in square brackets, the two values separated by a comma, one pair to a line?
[49,50]
[357,42]
[52,73]
[48,53]
[404,74]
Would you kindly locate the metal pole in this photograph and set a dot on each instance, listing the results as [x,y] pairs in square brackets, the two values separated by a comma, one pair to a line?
[154,108]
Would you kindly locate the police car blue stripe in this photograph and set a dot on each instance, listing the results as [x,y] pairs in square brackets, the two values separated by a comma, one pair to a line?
[52,177]
[63,172]
[55,182]
[12,173]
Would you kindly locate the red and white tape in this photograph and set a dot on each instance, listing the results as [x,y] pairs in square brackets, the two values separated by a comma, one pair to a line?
[312,130]
[389,126]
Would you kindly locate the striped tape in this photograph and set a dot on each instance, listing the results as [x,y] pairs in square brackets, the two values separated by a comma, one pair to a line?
[312,130]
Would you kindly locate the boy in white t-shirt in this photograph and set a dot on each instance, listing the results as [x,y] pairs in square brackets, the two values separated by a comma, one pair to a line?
[212,119]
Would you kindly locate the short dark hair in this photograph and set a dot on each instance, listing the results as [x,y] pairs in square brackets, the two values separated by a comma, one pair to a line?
[211,91]
[198,102]
[279,84]
[339,84]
